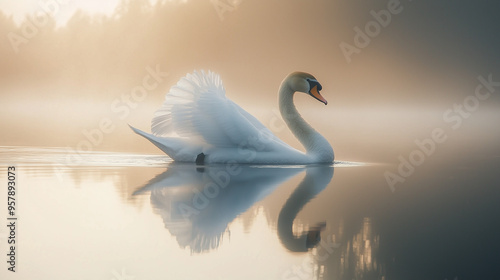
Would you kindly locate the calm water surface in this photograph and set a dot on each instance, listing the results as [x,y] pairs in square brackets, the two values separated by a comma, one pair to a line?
[133,216]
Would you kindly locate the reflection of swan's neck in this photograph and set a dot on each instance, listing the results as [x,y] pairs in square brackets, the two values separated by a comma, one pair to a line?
[317,178]
[314,143]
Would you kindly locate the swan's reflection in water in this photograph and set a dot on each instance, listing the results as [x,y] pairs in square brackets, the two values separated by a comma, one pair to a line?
[197,203]
[316,179]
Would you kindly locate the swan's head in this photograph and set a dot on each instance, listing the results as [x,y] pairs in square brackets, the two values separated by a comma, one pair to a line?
[306,83]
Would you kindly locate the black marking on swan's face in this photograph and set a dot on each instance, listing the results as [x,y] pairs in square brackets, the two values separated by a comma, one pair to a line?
[313,83]
[314,88]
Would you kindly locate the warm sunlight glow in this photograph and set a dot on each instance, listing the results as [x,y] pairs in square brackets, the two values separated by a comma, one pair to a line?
[61,10]
[229,170]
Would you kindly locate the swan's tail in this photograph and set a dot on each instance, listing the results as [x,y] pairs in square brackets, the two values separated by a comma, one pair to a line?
[175,148]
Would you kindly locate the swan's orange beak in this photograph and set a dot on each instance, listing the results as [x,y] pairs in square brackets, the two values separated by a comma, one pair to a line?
[315,93]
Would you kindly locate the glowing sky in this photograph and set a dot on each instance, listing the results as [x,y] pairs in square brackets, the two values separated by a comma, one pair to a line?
[20,8]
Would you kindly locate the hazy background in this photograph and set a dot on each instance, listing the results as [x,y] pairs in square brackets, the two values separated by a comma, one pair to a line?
[64,79]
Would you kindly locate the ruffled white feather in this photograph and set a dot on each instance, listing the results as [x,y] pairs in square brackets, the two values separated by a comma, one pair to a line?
[197,108]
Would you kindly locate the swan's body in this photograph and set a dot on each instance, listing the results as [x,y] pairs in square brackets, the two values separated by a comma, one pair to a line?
[197,119]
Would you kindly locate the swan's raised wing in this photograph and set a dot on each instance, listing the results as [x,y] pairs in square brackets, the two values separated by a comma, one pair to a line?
[197,108]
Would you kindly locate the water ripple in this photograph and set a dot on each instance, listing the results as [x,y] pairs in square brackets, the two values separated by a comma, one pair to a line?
[41,156]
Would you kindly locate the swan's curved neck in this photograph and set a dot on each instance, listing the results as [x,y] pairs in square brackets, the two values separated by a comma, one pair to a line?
[314,143]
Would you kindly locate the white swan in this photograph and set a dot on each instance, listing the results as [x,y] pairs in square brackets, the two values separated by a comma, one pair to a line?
[198,123]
